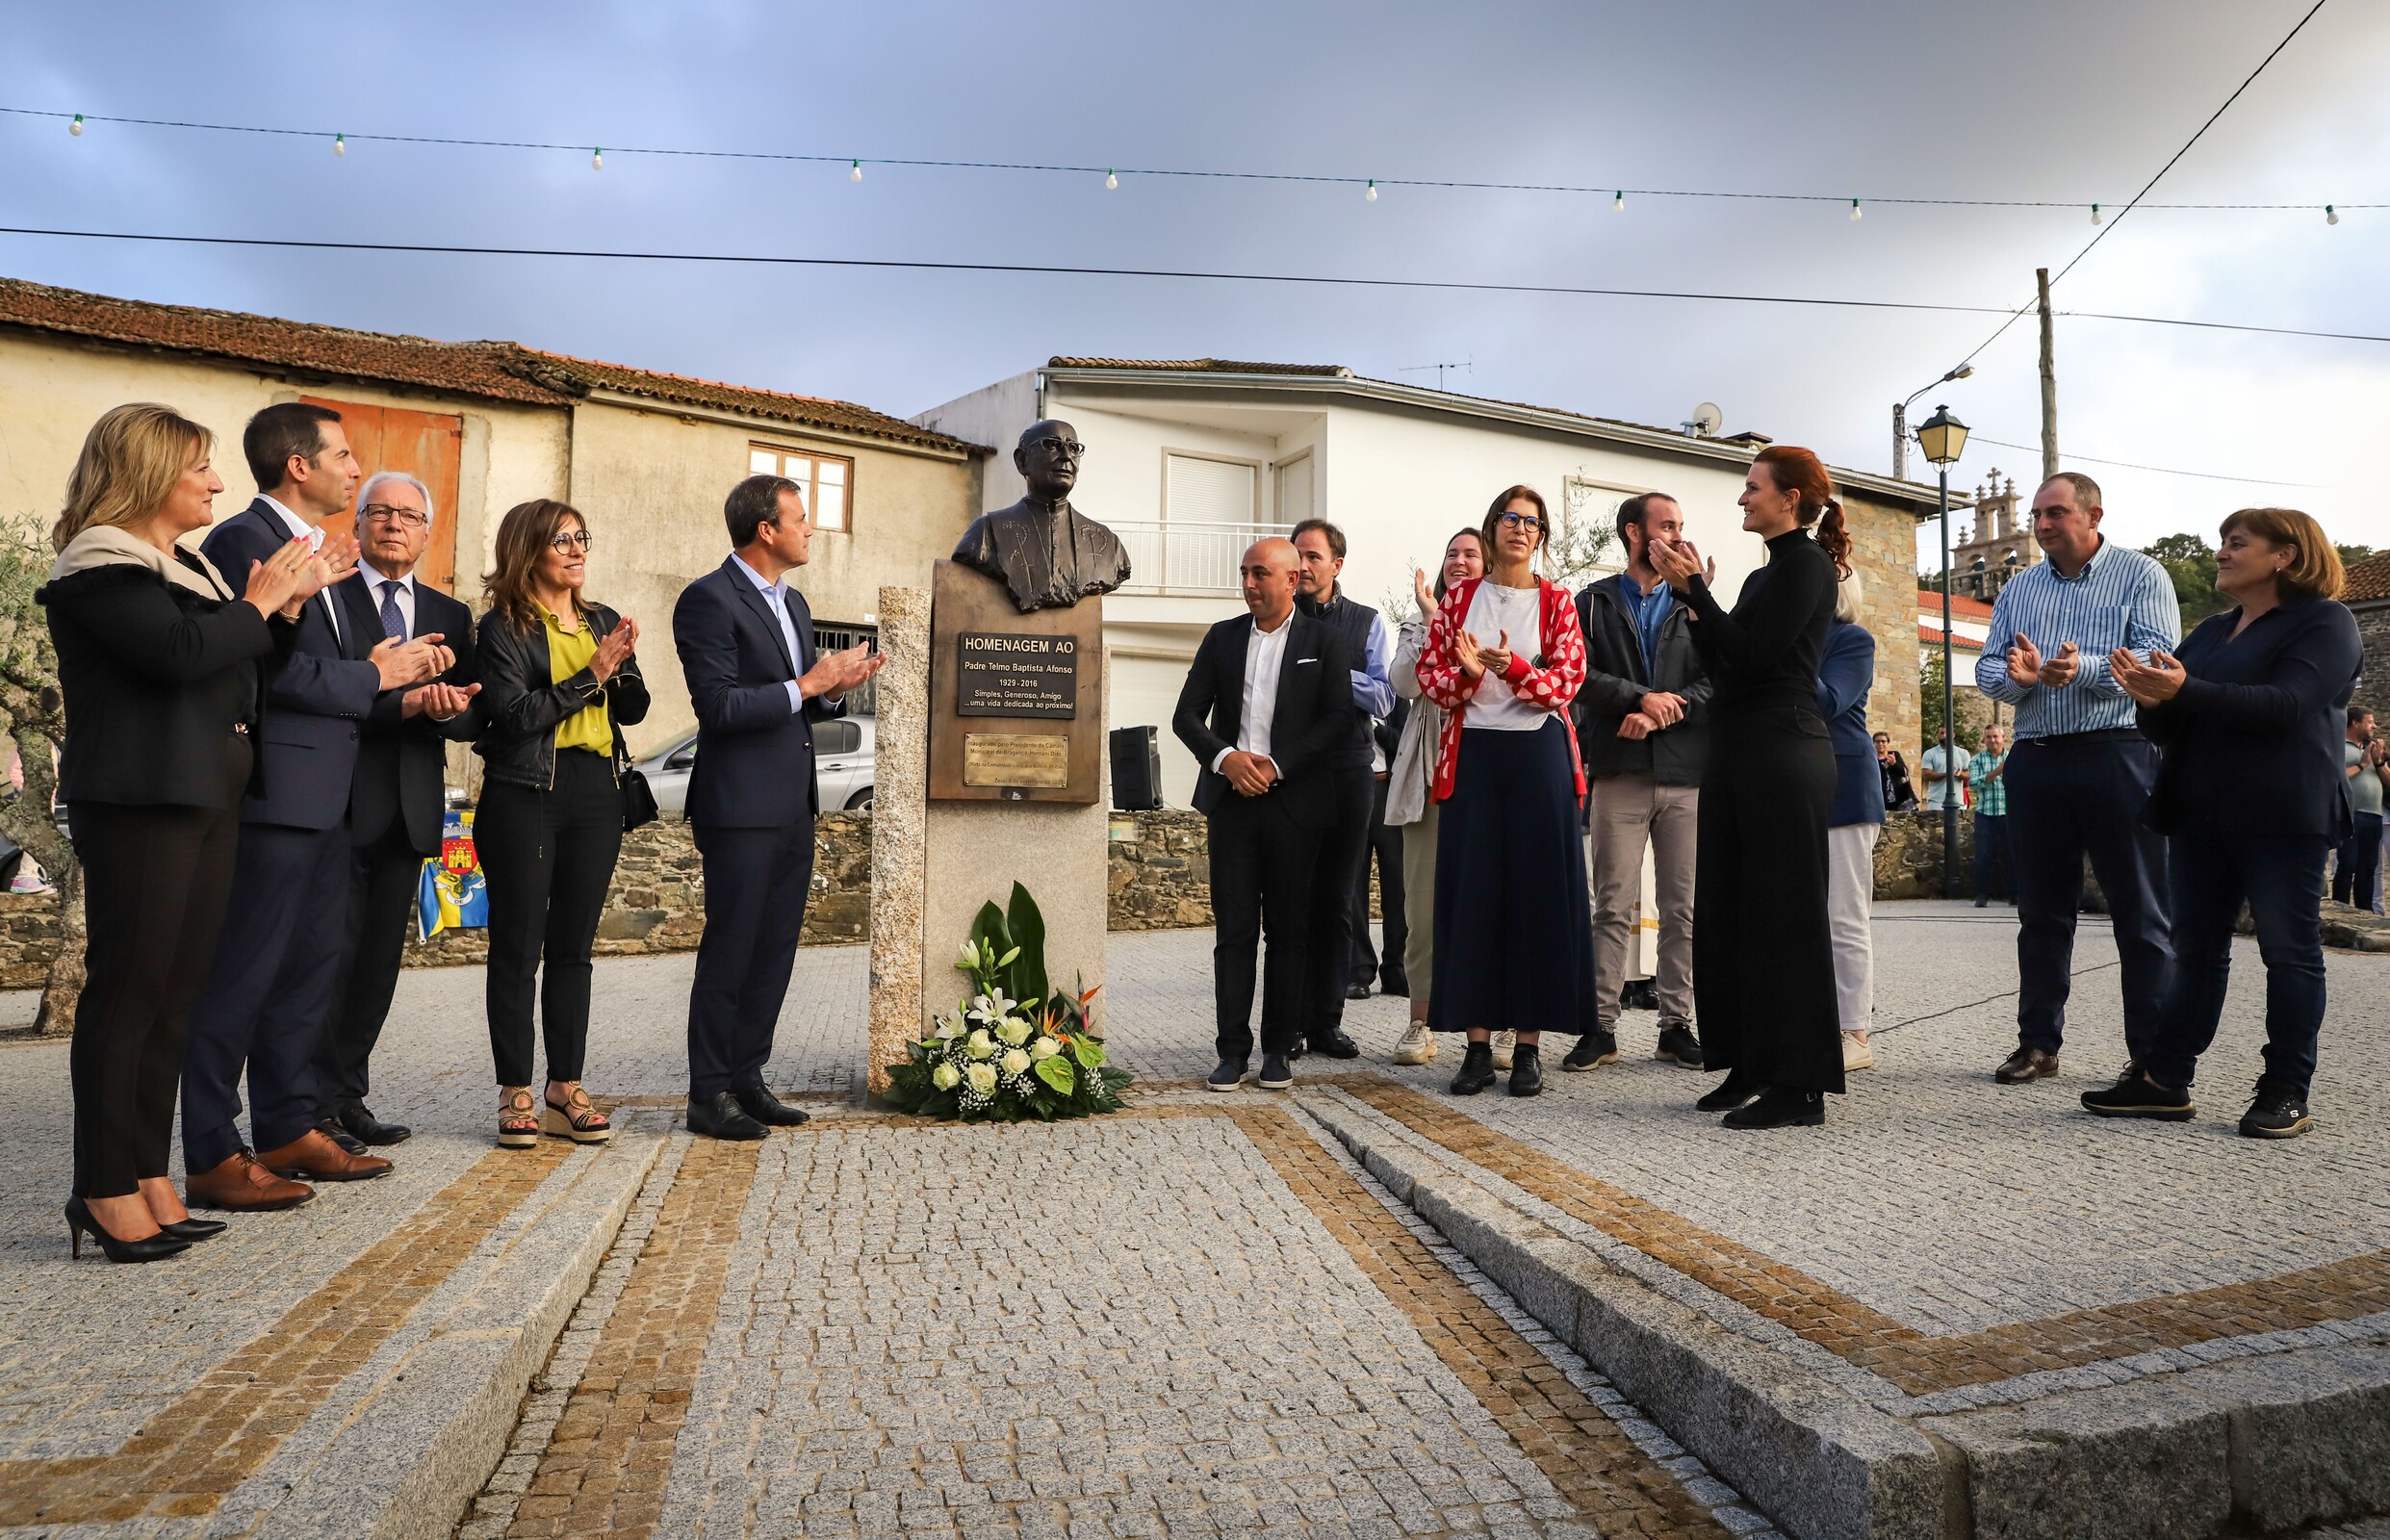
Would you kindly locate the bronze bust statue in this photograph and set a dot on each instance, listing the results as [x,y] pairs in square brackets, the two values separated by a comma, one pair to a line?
[1046,553]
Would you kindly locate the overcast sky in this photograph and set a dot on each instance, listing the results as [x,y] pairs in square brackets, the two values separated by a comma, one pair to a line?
[2028,99]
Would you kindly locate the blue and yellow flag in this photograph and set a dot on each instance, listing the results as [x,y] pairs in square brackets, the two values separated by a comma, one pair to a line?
[452,894]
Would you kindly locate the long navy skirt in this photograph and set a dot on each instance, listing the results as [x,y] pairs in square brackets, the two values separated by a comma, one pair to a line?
[1514,927]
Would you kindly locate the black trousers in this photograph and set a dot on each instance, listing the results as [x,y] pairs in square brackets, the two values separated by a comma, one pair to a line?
[269,993]
[2358,864]
[1763,954]
[2067,799]
[548,856]
[154,882]
[1992,855]
[385,877]
[756,882]
[1386,845]
[1263,859]
[1344,845]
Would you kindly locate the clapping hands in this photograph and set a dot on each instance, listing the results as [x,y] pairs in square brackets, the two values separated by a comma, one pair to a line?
[2026,666]
[614,648]
[2150,684]
[834,674]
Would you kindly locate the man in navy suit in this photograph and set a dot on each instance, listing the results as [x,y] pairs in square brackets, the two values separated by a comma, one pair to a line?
[398,803]
[1267,707]
[759,684]
[277,963]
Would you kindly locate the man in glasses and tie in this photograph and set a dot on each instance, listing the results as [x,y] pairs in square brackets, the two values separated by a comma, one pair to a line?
[398,803]
[1046,553]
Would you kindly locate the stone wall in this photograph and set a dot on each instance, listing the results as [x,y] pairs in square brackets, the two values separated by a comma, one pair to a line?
[1159,871]
[1883,552]
[2374,626]
[28,939]
[1908,856]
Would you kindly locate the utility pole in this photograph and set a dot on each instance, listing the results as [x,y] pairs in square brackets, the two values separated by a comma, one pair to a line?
[2049,380]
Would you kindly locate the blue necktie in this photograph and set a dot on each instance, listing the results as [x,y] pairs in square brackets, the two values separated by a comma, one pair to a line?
[393,623]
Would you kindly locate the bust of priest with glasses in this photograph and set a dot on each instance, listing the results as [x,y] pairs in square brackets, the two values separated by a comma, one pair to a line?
[1047,555]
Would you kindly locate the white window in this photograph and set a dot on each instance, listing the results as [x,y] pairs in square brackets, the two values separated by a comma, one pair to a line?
[826,481]
[1197,490]
[1293,490]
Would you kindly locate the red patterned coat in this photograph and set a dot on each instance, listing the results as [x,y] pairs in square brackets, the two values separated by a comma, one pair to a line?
[1441,679]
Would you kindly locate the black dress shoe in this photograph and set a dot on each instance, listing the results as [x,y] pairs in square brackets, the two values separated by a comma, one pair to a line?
[720,1116]
[1395,982]
[1477,1069]
[759,1103]
[1780,1107]
[360,1121]
[1526,1069]
[1740,1088]
[331,1129]
[1336,1044]
[1358,990]
[2029,1065]
[195,1228]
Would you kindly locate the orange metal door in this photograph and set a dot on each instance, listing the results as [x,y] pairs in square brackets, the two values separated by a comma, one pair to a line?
[425,445]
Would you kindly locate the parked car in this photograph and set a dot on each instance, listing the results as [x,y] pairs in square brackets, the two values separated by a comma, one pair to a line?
[842,758]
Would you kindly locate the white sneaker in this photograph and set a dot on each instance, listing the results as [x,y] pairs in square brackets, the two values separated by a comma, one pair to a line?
[1856,1054]
[1503,1042]
[1418,1045]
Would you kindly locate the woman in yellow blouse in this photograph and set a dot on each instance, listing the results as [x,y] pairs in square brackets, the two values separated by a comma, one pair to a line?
[559,681]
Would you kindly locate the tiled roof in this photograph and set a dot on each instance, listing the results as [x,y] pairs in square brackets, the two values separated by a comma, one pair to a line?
[1206,366]
[2368,579]
[1960,641]
[489,371]
[1960,607]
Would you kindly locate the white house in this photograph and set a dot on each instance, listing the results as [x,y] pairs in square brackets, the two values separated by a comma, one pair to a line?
[1188,461]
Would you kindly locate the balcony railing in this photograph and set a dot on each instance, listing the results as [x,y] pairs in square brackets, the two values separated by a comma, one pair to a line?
[1186,558]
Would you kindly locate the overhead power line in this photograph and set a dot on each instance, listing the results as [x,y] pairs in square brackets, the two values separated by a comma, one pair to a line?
[1334,280]
[340,140]
[2163,469]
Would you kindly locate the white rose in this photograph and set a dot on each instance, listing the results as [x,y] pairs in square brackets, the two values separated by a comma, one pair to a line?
[982,1078]
[981,1045]
[946,1077]
[1015,1061]
[1015,1032]
[1045,1048]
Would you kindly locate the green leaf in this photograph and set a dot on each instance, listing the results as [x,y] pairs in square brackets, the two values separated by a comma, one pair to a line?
[1056,1072]
[1088,1051]
[1026,927]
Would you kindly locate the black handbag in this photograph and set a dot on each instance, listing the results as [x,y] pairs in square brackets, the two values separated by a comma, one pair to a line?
[639,808]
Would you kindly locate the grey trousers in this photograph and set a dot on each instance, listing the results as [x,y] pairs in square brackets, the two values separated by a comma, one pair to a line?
[1628,811]
[1419,890]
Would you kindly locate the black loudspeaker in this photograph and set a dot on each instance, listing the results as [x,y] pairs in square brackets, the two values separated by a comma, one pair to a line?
[1136,769]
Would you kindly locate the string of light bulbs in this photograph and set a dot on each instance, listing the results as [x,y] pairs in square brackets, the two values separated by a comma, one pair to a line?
[1368,186]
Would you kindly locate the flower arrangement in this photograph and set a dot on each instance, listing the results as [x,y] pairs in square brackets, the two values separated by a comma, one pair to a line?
[1014,1048]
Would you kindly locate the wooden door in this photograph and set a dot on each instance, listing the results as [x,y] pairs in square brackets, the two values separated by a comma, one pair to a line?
[425,445]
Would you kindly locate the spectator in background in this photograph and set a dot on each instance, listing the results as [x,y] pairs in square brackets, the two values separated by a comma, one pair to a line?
[1845,674]
[2080,775]
[1385,845]
[2252,719]
[1899,796]
[1990,792]
[1945,768]
[1642,734]
[2357,868]
[1410,791]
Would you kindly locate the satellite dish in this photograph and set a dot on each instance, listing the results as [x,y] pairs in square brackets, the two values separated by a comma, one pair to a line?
[1707,419]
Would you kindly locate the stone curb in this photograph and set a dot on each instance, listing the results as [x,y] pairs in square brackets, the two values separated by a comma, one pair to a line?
[2249,1445]
[420,1428]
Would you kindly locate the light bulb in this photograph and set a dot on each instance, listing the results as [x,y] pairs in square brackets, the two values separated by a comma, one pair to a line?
[1371,196]
[340,143]
[2332,216]
[2095,213]
[1111,181]
[1854,209]
[1618,202]
[855,171]
[76,127]
[597,159]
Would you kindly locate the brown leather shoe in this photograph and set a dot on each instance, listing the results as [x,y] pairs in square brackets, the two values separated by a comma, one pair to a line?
[2026,1063]
[314,1156]
[237,1182]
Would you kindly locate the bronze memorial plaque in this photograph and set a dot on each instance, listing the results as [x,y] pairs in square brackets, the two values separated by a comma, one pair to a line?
[1017,697]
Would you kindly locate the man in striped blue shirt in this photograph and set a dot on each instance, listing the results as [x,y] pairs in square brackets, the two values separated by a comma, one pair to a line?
[2081,771]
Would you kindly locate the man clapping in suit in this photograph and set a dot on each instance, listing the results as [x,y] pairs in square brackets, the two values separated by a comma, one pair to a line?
[397,801]
[759,684]
[1268,697]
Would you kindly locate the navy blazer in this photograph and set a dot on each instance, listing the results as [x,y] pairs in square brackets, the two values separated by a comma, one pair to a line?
[755,754]
[1845,674]
[2253,739]
[316,700]
[1311,720]
[403,760]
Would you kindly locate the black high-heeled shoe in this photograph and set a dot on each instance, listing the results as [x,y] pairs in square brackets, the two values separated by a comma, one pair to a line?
[193,1228]
[149,1248]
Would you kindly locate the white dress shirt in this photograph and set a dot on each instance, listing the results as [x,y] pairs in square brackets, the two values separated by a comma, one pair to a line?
[375,581]
[777,594]
[313,536]
[1265,655]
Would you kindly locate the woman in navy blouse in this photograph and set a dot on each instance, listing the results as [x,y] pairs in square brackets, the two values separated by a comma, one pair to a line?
[2251,795]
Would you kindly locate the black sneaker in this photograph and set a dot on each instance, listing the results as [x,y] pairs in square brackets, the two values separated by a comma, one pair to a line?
[1275,1073]
[1678,1046]
[1336,1044]
[1229,1075]
[1477,1069]
[1593,1050]
[2277,1112]
[1738,1088]
[1526,1069]
[2136,1095]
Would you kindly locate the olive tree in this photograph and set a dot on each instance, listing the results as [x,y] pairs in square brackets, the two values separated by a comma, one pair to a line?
[31,715]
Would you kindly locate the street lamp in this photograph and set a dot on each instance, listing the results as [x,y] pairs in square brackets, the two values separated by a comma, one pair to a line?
[1900,422]
[1943,437]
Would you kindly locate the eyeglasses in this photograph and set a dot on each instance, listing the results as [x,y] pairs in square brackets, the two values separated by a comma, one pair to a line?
[1520,521]
[386,513]
[1069,449]
[568,541]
